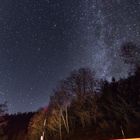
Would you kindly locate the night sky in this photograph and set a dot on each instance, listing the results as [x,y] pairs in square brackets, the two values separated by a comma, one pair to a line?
[42,41]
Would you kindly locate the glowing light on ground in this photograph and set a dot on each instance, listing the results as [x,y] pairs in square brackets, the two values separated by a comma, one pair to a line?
[129,139]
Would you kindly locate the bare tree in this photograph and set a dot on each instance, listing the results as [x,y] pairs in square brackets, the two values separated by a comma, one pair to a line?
[80,87]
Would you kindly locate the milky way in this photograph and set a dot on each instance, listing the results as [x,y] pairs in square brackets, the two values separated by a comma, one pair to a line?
[42,41]
[110,24]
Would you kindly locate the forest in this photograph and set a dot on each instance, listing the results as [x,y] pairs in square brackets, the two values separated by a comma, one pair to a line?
[83,107]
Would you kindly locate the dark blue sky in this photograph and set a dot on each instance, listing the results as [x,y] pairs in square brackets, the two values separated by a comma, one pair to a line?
[42,41]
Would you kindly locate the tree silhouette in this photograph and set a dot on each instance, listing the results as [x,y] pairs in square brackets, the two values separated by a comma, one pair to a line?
[130,53]
[3,122]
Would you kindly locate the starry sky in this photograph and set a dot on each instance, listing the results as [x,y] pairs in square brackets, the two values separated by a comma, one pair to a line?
[42,41]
